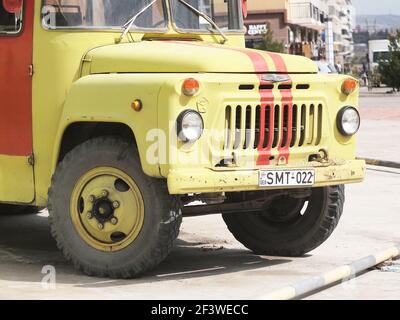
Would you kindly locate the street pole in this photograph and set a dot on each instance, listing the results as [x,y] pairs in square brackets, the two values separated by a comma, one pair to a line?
[330,53]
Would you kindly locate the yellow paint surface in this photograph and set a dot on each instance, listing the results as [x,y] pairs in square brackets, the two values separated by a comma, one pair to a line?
[83,76]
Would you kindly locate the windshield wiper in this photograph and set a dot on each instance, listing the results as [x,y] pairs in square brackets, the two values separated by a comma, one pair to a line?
[128,25]
[207,18]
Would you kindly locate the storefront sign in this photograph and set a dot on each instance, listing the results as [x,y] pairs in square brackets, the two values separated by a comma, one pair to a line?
[256,29]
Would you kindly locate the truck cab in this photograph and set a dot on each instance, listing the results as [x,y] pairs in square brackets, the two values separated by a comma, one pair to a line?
[119,115]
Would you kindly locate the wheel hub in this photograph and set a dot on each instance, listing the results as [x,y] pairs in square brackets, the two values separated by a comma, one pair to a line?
[103,210]
[284,210]
[107,209]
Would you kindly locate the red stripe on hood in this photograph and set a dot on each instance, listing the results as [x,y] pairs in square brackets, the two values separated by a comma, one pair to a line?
[267,100]
[287,104]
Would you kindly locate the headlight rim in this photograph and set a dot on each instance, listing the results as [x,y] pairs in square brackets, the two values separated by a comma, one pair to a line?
[339,121]
[179,125]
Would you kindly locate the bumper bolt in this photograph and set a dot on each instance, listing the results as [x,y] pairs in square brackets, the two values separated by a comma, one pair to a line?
[116,204]
[114,221]
[104,193]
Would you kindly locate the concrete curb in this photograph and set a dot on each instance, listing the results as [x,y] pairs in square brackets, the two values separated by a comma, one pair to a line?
[312,284]
[381,163]
[377,95]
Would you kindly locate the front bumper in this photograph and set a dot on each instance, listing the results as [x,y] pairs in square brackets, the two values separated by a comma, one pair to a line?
[183,181]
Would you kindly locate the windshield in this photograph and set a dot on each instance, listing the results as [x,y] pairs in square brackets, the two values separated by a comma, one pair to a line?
[225,14]
[100,14]
[106,14]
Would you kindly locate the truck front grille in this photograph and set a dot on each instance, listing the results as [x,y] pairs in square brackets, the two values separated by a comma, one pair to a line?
[273,126]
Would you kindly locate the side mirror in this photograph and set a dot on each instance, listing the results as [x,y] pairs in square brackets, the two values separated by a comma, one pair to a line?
[244,8]
[13,6]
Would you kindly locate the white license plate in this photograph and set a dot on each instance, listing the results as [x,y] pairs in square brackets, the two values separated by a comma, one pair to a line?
[286,178]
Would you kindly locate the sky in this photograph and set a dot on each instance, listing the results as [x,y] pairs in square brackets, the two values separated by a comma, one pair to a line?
[377,7]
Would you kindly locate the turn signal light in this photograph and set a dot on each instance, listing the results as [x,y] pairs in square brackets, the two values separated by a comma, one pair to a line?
[137,105]
[349,86]
[190,87]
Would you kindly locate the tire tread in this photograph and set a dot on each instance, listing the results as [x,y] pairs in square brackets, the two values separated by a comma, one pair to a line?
[334,208]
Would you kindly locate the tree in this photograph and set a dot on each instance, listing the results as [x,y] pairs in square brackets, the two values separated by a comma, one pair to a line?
[270,44]
[389,68]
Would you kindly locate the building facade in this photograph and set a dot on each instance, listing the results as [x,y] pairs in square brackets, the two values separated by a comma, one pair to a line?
[302,26]
[267,15]
[307,22]
[342,17]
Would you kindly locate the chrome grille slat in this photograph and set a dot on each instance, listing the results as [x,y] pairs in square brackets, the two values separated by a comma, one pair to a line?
[294,126]
[308,126]
[252,128]
[232,122]
[237,127]
[243,127]
[315,123]
[320,121]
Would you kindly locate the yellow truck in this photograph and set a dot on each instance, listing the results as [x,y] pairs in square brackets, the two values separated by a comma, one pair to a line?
[122,117]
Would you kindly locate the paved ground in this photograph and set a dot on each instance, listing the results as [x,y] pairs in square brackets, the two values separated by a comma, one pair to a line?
[380,131]
[208,263]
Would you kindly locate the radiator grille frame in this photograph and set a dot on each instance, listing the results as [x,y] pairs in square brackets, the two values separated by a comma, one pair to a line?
[273,126]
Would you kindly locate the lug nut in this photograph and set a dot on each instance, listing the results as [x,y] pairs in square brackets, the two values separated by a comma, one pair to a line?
[116,204]
[89,215]
[100,226]
[92,198]
[114,221]
[104,193]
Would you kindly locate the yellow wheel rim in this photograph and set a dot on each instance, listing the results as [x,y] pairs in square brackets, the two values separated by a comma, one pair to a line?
[107,209]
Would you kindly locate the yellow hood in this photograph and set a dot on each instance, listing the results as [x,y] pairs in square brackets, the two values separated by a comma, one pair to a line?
[191,57]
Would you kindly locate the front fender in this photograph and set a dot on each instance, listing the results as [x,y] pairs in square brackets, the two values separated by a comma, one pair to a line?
[108,98]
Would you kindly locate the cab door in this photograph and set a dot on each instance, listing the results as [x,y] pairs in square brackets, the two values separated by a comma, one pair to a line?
[16,46]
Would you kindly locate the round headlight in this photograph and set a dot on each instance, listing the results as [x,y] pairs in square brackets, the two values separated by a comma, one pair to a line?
[348,121]
[190,126]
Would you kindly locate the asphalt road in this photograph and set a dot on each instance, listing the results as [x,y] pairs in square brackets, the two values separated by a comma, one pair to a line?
[207,263]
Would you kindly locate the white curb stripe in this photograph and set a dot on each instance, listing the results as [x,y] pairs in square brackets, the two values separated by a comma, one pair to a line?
[312,284]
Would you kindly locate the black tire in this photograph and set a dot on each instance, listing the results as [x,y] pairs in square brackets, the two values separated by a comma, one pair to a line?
[162,216]
[274,233]
[11,209]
